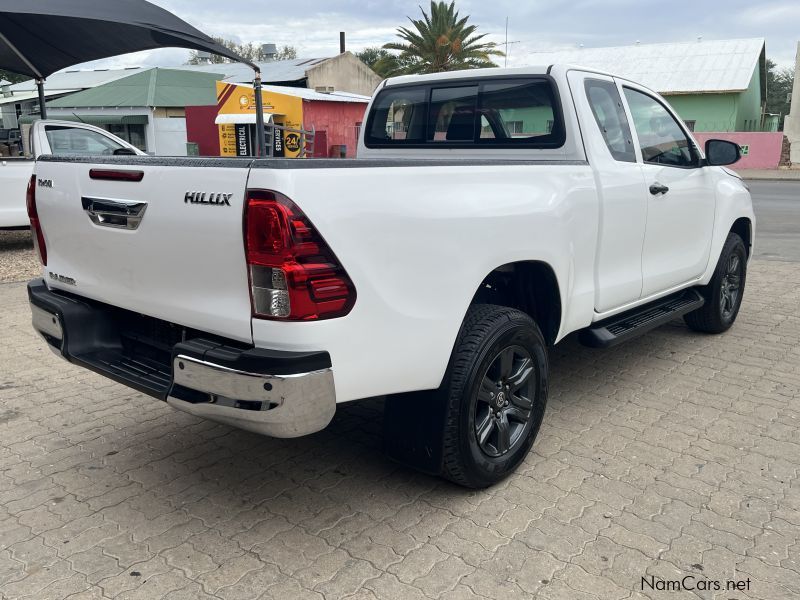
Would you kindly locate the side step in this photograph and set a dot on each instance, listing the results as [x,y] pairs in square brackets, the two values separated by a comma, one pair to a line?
[630,324]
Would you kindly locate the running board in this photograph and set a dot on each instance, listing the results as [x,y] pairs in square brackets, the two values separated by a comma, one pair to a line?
[630,324]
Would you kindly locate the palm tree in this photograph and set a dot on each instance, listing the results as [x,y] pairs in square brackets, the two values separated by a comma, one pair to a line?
[440,41]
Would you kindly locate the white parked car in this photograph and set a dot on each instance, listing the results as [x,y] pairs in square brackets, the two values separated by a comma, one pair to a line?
[50,137]
[490,214]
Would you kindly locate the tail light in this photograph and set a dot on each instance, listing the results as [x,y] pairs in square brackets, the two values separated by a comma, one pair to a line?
[294,275]
[33,215]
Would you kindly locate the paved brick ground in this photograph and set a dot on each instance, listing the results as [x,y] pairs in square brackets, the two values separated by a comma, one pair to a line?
[674,455]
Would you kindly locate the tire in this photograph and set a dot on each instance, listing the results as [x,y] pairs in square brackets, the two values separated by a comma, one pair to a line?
[724,292]
[495,349]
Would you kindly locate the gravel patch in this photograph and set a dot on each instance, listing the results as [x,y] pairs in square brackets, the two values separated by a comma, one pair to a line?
[18,260]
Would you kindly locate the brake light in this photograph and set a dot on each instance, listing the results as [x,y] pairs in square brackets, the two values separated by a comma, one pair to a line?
[33,215]
[294,275]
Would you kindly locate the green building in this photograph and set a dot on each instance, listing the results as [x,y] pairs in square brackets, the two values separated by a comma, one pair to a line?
[146,109]
[714,85]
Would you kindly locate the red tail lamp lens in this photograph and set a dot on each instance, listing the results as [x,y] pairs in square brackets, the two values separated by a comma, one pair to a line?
[294,275]
[36,227]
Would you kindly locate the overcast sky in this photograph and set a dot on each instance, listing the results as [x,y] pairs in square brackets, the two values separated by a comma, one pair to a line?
[312,26]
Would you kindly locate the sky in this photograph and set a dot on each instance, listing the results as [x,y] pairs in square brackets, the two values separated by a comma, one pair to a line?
[312,26]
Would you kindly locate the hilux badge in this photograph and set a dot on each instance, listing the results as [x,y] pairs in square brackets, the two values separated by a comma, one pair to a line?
[204,198]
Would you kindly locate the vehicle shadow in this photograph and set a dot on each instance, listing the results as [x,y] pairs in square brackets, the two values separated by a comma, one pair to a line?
[342,470]
[15,239]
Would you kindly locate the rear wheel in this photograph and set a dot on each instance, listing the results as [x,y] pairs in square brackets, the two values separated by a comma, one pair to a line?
[724,292]
[495,392]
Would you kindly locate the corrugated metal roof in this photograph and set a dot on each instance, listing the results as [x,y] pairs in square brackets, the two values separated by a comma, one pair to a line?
[275,71]
[155,87]
[687,67]
[77,80]
[308,94]
[25,96]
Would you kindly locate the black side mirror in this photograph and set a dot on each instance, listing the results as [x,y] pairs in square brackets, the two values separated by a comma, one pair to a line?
[124,152]
[722,152]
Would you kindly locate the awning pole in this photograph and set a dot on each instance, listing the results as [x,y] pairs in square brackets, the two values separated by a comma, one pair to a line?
[42,106]
[261,141]
[39,78]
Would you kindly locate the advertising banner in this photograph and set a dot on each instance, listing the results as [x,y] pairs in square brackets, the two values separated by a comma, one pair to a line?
[235,100]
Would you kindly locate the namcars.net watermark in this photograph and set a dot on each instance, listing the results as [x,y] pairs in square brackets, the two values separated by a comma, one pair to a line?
[691,583]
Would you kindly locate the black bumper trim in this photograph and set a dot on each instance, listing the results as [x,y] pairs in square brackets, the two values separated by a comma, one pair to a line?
[92,339]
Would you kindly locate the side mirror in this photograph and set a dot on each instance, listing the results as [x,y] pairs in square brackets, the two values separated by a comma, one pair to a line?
[722,152]
[124,152]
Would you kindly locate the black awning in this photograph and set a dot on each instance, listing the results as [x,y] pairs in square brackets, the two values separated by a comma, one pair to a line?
[40,37]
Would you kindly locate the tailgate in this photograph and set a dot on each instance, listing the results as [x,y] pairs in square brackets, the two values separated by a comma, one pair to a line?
[183,261]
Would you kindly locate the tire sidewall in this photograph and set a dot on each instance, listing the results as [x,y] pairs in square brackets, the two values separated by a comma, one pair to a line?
[485,470]
[733,245]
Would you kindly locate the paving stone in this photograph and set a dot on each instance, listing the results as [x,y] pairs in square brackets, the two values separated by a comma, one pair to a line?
[669,455]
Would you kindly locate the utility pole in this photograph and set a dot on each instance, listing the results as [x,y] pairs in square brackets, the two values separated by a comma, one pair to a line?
[506,52]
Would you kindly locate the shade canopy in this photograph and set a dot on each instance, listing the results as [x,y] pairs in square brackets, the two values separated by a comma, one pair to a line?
[40,37]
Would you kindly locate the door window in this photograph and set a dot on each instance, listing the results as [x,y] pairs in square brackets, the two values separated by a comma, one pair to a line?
[610,116]
[75,140]
[661,139]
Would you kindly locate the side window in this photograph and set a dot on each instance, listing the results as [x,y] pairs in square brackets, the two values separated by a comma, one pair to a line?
[522,112]
[661,139]
[610,117]
[399,115]
[74,140]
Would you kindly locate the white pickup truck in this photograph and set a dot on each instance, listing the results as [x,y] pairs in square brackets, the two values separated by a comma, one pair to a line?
[489,215]
[50,137]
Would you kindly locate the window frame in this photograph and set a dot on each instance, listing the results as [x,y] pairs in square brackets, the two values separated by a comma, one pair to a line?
[627,132]
[477,143]
[698,157]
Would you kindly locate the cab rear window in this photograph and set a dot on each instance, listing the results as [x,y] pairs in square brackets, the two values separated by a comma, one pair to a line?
[519,112]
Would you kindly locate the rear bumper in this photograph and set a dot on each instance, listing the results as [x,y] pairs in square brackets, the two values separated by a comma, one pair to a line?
[275,393]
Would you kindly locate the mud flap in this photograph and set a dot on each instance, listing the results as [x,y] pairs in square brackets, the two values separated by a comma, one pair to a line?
[413,425]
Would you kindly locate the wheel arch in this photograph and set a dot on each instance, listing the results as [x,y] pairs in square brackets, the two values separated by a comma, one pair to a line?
[743,227]
[529,286]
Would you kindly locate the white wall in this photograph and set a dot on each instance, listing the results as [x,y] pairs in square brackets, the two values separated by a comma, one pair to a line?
[791,124]
[169,136]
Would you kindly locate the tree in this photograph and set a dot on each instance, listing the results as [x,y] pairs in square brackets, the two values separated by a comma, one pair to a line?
[779,86]
[370,56]
[379,60]
[250,52]
[440,41]
[286,53]
[12,77]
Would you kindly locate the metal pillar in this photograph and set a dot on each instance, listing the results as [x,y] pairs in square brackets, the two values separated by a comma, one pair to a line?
[42,106]
[261,146]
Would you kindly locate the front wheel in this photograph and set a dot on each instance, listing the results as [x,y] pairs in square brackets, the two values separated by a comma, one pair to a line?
[496,391]
[724,292]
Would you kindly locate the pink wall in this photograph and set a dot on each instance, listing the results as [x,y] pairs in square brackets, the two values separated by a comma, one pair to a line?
[765,147]
[338,119]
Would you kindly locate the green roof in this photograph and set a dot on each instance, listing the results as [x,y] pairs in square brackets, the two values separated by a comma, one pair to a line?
[154,87]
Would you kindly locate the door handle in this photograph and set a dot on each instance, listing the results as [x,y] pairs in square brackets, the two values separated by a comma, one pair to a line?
[658,188]
[119,214]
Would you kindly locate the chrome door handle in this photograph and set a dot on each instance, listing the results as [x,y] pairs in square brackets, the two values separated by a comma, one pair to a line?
[120,214]
[658,188]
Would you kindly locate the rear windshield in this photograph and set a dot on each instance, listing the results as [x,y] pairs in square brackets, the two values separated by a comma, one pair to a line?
[492,112]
